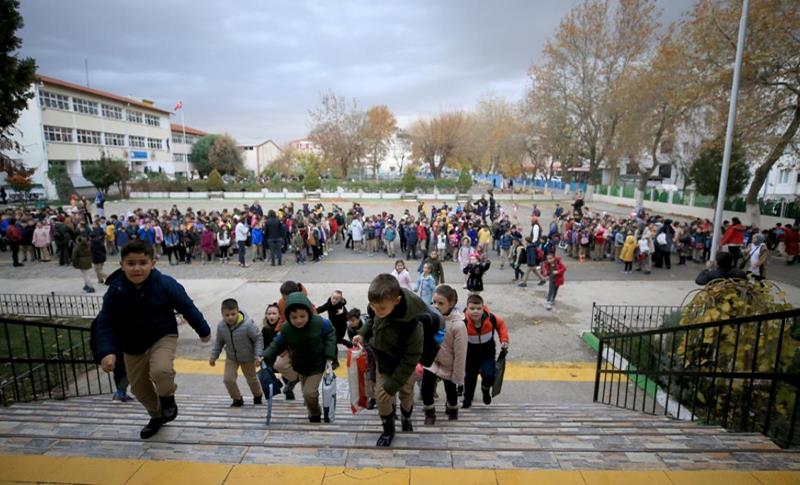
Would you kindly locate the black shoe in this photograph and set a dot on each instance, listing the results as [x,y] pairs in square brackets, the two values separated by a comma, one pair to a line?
[405,421]
[257,400]
[314,419]
[372,404]
[487,395]
[542,282]
[430,417]
[460,390]
[169,410]
[466,404]
[237,403]
[385,439]
[151,428]
[17,265]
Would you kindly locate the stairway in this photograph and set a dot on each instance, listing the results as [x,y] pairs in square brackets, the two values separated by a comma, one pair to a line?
[500,436]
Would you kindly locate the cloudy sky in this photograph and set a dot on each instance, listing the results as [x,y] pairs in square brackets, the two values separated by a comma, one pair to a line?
[254,68]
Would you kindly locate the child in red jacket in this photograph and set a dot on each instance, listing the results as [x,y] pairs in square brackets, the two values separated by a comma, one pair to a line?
[481,328]
[553,269]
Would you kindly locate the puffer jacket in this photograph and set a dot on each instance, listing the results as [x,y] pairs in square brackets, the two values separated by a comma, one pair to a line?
[628,249]
[451,360]
[81,254]
[242,342]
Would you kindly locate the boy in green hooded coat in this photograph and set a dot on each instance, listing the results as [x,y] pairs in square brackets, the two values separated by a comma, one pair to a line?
[311,342]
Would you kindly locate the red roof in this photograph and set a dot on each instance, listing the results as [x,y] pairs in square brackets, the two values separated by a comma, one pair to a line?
[77,87]
[176,128]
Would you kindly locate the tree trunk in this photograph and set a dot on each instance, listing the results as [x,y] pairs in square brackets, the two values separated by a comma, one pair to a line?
[763,170]
[641,186]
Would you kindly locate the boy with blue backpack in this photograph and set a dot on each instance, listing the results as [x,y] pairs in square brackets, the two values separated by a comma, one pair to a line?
[311,342]
[389,235]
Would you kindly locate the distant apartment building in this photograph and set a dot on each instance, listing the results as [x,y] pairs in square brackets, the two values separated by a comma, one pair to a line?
[183,138]
[257,156]
[67,124]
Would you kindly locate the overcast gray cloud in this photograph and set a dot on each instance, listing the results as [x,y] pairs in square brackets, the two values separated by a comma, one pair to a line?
[254,68]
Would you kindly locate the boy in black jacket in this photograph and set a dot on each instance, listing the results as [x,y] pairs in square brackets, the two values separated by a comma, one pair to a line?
[138,315]
[337,314]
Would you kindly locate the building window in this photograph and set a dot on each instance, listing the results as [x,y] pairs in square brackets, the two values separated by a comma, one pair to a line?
[84,106]
[136,141]
[112,112]
[53,100]
[89,137]
[178,138]
[134,116]
[58,134]
[115,139]
[154,143]
[784,176]
[190,139]
[152,120]
[179,157]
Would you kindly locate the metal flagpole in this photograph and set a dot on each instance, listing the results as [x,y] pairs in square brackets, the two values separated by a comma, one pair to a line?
[183,125]
[726,156]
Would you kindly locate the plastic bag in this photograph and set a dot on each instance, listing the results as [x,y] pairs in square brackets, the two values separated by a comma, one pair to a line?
[357,375]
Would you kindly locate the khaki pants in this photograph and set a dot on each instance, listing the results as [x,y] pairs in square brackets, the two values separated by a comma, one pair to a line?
[385,402]
[283,364]
[249,371]
[98,270]
[152,374]
[310,386]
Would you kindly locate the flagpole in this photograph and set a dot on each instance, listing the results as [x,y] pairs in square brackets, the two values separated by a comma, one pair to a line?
[183,125]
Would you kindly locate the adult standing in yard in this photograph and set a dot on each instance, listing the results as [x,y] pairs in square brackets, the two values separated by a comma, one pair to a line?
[241,241]
[274,234]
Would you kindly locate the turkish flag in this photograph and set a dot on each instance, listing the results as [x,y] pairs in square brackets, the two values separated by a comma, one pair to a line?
[179,105]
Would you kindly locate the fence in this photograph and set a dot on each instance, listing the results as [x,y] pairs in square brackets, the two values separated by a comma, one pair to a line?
[47,360]
[51,305]
[609,319]
[740,373]
[774,208]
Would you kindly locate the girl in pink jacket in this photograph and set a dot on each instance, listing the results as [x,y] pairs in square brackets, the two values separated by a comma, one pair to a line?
[41,241]
[450,361]
[401,273]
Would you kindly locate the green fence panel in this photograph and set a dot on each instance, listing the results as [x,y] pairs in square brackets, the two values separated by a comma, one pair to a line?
[792,210]
[703,201]
[627,191]
[678,198]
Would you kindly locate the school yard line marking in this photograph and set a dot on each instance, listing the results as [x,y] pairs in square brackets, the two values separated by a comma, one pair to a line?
[79,469]
[515,371]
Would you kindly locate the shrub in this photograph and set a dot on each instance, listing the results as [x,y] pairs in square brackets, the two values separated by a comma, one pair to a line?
[464,182]
[215,181]
[311,180]
[409,180]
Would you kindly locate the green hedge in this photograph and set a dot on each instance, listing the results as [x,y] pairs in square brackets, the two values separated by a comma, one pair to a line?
[160,183]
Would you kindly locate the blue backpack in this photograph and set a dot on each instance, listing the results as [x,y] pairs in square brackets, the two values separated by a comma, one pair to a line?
[389,233]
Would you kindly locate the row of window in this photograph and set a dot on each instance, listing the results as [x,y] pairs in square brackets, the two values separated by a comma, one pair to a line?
[180,157]
[80,105]
[60,134]
[178,138]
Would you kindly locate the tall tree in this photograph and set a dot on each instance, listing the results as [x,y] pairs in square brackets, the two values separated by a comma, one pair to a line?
[436,142]
[705,170]
[225,156]
[338,128]
[105,172]
[16,77]
[199,154]
[591,53]
[768,114]
[381,126]
[500,137]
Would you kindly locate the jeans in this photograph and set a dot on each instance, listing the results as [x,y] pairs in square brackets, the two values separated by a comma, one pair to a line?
[552,290]
[275,251]
[14,252]
[242,249]
[480,360]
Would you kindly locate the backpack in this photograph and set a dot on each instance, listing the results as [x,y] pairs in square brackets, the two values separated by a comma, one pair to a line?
[13,233]
[584,239]
[433,326]
[389,233]
[661,239]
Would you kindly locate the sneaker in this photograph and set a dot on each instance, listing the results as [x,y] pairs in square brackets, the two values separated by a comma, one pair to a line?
[314,419]
[523,285]
[542,282]
[88,289]
[257,400]
[372,404]
[237,403]
[466,405]
[289,395]
[548,306]
[121,397]
[487,396]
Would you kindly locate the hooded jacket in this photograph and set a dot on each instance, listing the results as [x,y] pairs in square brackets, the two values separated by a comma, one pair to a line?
[397,341]
[309,347]
[628,249]
[138,317]
[558,267]
[242,342]
[451,360]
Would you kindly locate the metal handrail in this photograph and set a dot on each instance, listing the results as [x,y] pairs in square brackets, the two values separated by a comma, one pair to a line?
[736,373]
[50,305]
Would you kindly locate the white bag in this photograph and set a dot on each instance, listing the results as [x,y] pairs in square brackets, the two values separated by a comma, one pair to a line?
[328,392]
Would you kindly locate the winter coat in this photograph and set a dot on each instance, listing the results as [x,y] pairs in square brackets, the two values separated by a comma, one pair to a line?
[436,269]
[242,342]
[451,360]
[337,314]
[628,251]
[411,236]
[224,238]
[463,256]
[475,275]
[482,333]
[734,235]
[273,229]
[41,237]
[357,230]
[81,254]
[208,242]
[309,347]
[63,234]
[404,278]
[98,247]
[133,319]
[425,287]
[558,268]
[397,341]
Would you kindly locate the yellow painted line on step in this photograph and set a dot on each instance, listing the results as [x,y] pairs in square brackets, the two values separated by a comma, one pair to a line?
[515,371]
[37,469]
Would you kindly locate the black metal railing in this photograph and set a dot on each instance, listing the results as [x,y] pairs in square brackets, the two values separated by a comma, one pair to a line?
[47,360]
[50,305]
[611,319]
[742,374]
